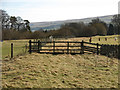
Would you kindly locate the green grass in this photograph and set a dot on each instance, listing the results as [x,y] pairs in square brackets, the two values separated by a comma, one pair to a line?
[110,39]
[19,47]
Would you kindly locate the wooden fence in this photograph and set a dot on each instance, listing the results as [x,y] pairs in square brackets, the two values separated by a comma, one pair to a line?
[61,47]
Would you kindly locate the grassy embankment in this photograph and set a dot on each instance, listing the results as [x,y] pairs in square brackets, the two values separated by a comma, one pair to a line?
[60,71]
[64,71]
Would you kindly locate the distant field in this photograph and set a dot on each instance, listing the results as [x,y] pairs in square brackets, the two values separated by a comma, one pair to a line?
[110,39]
[60,71]
[19,45]
[95,39]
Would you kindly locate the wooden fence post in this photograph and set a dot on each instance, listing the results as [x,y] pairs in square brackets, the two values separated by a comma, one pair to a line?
[82,47]
[118,52]
[99,39]
[30,47]
[53,46]
[67,47]
[11,50]
[97,49]
[38,45]
[105,39]
[90,40]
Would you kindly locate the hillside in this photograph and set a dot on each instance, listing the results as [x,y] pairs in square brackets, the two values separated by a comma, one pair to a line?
[60,71]
[56,24]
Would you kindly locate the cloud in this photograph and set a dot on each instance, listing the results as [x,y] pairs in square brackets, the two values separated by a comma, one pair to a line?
[51,10]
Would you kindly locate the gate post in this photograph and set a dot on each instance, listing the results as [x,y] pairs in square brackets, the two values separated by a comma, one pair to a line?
[38,45]
[118,51]
[97,49]
[82,47]
[11,50]
[30,47]
[67,47]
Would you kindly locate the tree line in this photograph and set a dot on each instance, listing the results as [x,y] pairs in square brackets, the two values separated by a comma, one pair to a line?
[17,28]
[95,27]
[13,23]
[13,27]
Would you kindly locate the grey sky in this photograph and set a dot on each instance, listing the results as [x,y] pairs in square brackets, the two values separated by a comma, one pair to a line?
[52,10]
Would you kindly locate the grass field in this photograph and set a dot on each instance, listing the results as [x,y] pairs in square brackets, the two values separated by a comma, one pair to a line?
[110,39]
[19,45]
[58,71]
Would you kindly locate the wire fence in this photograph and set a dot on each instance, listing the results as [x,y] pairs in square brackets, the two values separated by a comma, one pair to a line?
[14,49]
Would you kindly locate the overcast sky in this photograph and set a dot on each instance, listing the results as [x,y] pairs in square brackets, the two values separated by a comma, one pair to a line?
[53,10]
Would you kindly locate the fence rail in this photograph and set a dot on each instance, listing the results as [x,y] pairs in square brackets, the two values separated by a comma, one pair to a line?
[57,47]
[74,47]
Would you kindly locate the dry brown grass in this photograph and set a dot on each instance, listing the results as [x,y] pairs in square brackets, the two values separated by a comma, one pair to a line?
[60,71]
